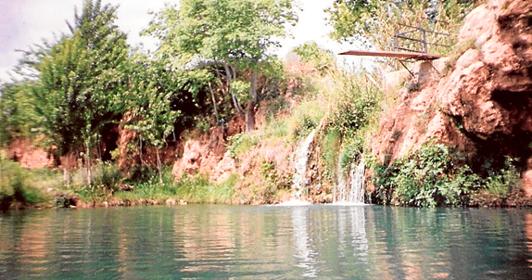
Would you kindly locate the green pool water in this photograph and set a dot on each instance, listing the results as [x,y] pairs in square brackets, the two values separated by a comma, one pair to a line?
[266,242]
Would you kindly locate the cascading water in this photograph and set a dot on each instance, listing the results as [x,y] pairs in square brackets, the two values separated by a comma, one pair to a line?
[351,192]
[341,187]
[300,165]
[356,194]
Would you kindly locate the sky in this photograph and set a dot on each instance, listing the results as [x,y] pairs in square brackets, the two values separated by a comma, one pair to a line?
[26,22]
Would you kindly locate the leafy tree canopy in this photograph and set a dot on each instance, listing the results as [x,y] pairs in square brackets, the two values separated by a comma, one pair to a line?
[225,30]
[234,33]
[321,59]
[17,117]
[82,78]
[375,21]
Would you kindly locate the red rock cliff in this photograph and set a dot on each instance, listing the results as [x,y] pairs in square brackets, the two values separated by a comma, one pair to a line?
[482,103]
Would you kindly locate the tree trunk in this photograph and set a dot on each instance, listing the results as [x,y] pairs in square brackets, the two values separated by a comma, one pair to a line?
[159,166]
[229,78]
[250,106]
[214,105]
[66,176]
[88,163]
[250,116]
[140,153]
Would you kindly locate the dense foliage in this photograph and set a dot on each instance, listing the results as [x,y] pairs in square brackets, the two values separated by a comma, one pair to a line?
[428,178]
[212,43]
[17,184]
[435,176]
[82,80]
[18,118]
[76,90]
[322,60]
[234,35]
[375,21]
[214,64]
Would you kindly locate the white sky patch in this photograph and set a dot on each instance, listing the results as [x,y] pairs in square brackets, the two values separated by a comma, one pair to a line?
[26,22]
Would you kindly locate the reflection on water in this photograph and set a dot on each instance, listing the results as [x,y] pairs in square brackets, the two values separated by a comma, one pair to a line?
[528,232]
[303,253]
[358,230]
[319,242]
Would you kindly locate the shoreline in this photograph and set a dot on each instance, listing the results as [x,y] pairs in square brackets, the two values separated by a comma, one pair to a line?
[116,203]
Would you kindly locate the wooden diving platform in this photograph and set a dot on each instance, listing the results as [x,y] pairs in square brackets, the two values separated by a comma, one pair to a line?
[400,55]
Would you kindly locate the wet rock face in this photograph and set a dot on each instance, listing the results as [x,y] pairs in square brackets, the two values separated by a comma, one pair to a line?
[483,106]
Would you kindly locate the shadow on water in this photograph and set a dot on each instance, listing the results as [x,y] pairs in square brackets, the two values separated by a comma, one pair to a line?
[208,241]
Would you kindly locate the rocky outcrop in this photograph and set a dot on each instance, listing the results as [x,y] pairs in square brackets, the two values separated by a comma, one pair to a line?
[481,106]
[208,155]
[203,154]
[28,155]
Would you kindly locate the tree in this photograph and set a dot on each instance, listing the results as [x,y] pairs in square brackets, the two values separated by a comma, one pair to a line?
[59,100]
[17,117]
[162,101]
[234,33]
[149,102]
[374,22]
[351,17]
[82,81]
[322,60]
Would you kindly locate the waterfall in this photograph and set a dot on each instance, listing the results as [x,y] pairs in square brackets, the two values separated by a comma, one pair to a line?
[340,190]
[300,165]
[351,192]
[356,195]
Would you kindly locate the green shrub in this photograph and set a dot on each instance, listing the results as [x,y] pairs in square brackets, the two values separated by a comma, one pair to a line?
[356,101]
[18,184]
[272,183]
[427,178]
[107,176]
[241,143]
[151,188]
[352,147]
[357,104]
[433,176]
[11,179]
[330,145]
[305,117]
[322,60]
[193,189]
[198,189]
[382,180]
[106,179]
[502,182]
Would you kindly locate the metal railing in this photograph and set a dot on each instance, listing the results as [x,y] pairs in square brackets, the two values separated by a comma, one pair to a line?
[417,39]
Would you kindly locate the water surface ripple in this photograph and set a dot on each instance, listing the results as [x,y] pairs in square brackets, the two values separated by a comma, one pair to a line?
[261,242]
